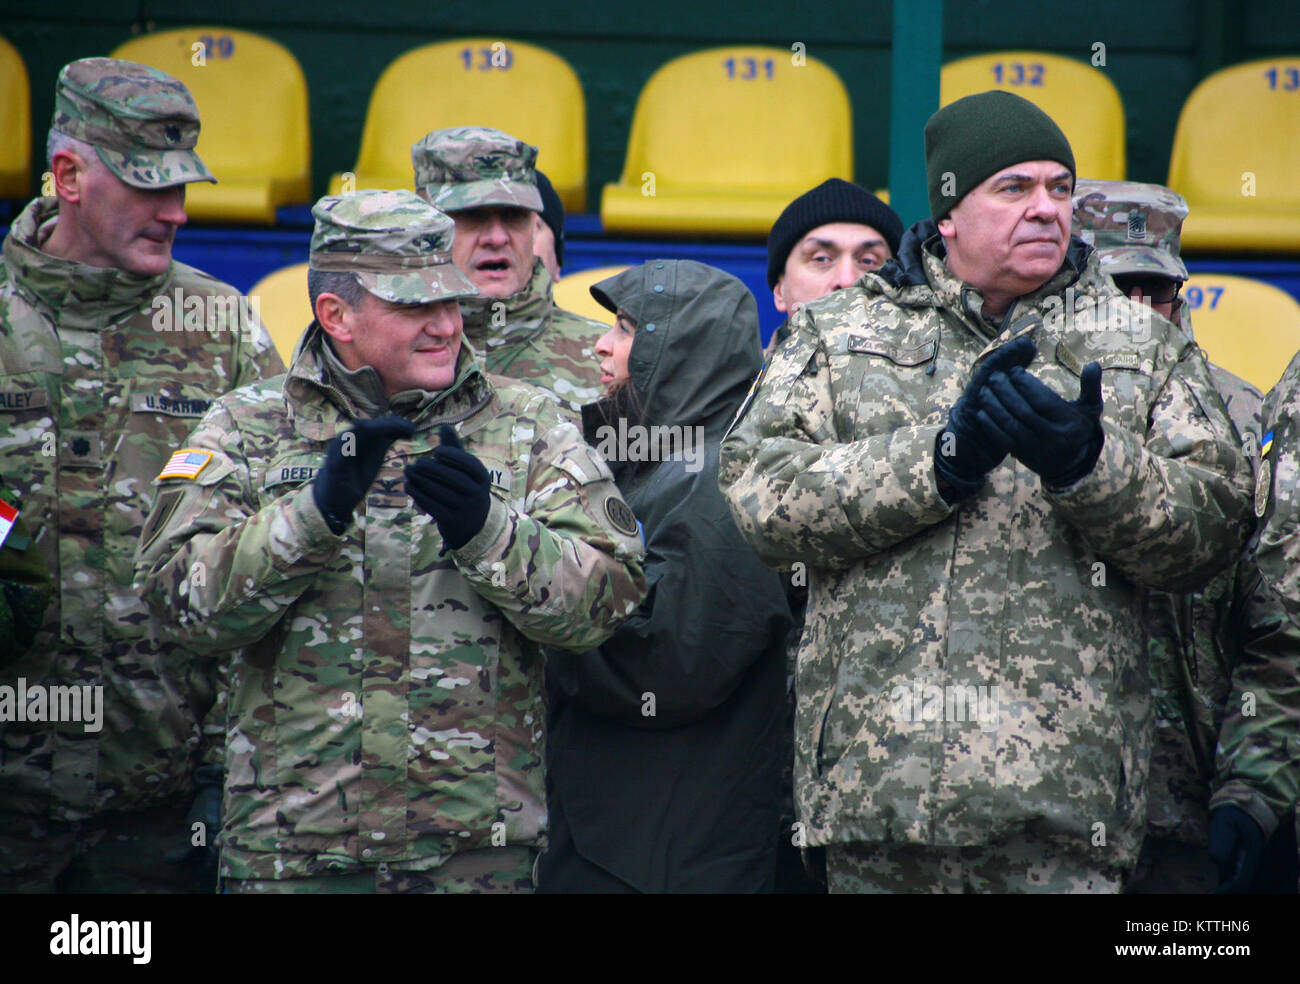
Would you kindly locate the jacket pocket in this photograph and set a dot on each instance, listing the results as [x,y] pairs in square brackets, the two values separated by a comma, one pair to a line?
[1126,381]
[894,382]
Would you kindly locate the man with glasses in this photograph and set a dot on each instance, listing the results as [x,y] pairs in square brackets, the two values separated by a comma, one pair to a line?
[1204,655]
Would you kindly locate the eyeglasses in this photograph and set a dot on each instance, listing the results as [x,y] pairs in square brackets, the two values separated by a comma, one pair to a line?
[1156,290]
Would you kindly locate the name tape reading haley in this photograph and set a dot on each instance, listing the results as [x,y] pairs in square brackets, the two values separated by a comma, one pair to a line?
[22,703]
[102,938]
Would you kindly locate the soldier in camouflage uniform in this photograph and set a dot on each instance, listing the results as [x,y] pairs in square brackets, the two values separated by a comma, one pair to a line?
[487,181]
[386,727]
[974,710]
[1136,231]
[1258,764]
[109,353]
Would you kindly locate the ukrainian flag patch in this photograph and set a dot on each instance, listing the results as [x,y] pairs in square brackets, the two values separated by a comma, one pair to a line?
[186,463]
[1265,443]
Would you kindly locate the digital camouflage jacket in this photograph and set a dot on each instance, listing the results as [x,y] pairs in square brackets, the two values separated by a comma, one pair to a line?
[1257,762]
[1194,643]
[969,673]
[385,698]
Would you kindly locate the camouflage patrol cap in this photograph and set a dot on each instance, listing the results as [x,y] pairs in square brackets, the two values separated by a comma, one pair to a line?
[471,166]
[397,245]
[143,123]
[1135,227]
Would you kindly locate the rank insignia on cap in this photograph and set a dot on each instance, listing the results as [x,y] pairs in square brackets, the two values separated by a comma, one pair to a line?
[1137,226]
[186,463]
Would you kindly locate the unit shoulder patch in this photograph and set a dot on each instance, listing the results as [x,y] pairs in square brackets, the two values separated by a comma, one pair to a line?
[620,515]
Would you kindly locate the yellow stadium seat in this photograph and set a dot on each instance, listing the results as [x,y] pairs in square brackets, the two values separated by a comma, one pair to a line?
[1084,103]
[1234,158]
[1246,326]
[724,139]
[573,294]
[252,100]
[286,311]
[15,124]
[526,91]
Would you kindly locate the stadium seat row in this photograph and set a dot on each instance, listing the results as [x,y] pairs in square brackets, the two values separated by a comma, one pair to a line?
[709,152]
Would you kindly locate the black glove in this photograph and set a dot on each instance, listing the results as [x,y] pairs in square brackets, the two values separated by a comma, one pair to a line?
[453,487]
[344,479]
[1057,438]
[972,451]
[1236,845]
[209,781]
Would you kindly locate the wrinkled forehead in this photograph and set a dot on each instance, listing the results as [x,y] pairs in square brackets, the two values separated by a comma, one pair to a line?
[844,236]
[1031,171]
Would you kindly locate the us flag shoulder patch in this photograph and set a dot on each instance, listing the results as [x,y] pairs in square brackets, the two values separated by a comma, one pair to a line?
[186,463]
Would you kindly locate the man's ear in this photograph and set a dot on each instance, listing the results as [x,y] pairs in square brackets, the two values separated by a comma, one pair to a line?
[67,167]
[778,295]
[946,228]
[335,317]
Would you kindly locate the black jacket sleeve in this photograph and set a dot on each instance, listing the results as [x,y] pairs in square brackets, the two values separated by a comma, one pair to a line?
[711,611]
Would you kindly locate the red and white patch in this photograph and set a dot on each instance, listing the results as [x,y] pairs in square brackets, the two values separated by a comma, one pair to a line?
[8,516]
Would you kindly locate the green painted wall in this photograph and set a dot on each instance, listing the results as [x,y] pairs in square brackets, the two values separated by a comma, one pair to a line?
[1156,52]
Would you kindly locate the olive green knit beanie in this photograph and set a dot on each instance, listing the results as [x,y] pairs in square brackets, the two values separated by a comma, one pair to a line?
[973,138]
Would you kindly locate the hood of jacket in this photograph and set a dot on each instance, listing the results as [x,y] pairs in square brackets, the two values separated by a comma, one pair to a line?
[696,349]
[85,297]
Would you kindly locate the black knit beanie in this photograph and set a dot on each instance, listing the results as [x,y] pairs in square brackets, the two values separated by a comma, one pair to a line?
[975,137]
[552,214]
[834,200]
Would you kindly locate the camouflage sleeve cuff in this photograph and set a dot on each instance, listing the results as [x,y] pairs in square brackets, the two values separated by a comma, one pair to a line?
[1114,474]
[482,545]
[317,540]
[1158,520]
[1240,795]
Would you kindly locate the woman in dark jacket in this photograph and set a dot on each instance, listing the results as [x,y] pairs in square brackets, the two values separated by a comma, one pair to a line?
[665,743]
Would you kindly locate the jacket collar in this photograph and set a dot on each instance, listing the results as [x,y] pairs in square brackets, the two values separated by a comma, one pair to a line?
[324,397]
[77,295]
[524,315]
[919,276]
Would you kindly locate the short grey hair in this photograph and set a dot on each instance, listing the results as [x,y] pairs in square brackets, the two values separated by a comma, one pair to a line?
[57,142]
[345,285]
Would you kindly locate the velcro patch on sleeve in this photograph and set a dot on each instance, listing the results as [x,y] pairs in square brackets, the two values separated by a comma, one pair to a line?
[585,465]
[186,463]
